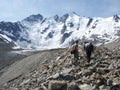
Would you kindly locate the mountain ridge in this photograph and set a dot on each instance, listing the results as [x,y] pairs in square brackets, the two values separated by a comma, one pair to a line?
[38,32]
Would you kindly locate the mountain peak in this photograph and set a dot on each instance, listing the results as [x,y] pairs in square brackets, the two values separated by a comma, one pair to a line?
[64,17]
[73,13]
[34,18]
[116,18]
[56,17]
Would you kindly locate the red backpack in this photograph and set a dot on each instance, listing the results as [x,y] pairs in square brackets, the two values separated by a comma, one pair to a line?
[73,49]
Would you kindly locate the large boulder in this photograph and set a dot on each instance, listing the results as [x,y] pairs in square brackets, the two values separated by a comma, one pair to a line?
[57,85]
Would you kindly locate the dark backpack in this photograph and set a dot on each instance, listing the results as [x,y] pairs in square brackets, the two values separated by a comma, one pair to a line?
[89,47]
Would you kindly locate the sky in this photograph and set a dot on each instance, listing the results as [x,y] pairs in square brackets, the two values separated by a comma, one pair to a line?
[17,10]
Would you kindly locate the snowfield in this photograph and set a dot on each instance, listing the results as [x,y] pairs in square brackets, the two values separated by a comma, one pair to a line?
[37,32]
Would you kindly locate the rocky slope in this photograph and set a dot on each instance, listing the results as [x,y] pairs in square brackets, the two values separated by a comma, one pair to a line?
[27,64]
[54,69]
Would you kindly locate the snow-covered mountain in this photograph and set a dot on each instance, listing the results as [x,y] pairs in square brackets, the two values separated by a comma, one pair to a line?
[6,43]
[38,32]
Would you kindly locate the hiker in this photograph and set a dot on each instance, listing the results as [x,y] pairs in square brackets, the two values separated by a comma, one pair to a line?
[89,48]
[75,51]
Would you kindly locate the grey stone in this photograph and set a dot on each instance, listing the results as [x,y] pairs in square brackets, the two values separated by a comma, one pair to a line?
[115,87]
[13,88]
[56,76]
[74,87]
[109,82]
[57,85]
[39,88]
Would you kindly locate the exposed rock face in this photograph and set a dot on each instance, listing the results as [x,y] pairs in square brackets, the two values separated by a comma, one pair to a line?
[102,73]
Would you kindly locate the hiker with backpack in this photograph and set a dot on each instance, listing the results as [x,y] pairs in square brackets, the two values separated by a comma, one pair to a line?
[75,50]
[89,48]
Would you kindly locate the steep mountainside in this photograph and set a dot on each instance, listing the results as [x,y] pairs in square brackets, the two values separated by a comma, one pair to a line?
[37,32]
[6,43]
